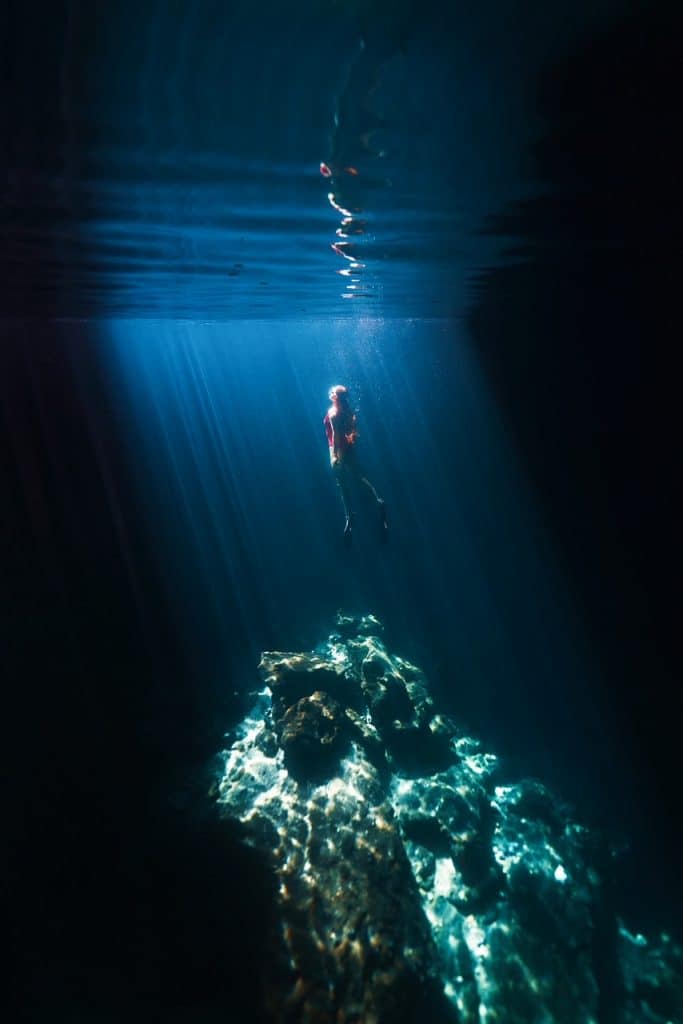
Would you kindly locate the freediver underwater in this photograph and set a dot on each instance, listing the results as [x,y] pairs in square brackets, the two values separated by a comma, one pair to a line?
[342,435]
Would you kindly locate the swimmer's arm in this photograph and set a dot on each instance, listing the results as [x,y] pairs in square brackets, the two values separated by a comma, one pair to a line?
[329,436]
[334,452]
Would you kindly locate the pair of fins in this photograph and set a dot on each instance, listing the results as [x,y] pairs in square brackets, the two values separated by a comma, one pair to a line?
[382,524]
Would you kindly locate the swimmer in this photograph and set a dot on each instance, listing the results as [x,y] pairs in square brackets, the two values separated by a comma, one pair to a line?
[340,428]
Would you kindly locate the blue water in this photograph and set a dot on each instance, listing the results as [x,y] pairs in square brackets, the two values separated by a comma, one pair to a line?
[212,213]
[172,167]
[223,423]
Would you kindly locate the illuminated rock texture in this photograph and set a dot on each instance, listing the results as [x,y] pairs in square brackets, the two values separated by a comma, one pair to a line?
[414,885]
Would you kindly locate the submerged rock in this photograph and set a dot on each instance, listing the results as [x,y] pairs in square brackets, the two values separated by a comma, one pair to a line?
[413,886]
[312,735]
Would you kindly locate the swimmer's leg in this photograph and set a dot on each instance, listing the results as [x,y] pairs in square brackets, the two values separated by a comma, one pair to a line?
[364,480]
[341,475]
[381,510]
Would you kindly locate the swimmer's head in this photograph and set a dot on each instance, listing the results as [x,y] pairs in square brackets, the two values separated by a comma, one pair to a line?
[339,394]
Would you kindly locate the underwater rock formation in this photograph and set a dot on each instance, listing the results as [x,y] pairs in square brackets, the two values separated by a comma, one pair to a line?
[413,884]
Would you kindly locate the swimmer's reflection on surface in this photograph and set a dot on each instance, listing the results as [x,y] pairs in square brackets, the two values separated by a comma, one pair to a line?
[357,124]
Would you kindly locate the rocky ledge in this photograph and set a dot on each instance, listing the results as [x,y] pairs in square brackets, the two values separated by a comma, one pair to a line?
[413,883]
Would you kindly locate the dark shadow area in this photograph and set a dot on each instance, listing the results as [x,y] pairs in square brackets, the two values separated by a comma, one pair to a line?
[124,894]
[577,339]
[122,890]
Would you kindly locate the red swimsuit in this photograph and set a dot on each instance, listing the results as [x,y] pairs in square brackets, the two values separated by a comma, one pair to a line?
[346,434]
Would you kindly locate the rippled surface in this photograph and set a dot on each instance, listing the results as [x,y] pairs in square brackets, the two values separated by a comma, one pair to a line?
[226,162]
[233,239]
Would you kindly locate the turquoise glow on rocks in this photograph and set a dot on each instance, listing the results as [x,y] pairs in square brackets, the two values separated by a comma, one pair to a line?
[417,870]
